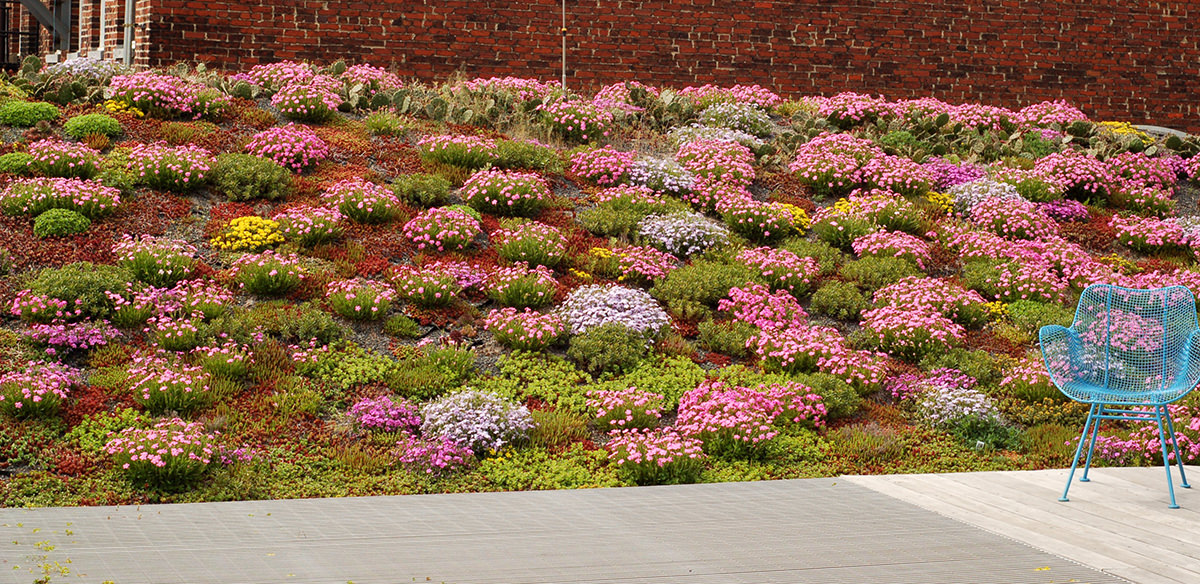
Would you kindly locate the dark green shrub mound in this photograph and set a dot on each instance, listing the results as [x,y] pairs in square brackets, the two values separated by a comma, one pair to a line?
[608,348]
[873,273]
[24,114]
[83,281]
[691,291]
[426,190]
[80,126]
[242,177]
[15,163]
[839,300]
[60,222]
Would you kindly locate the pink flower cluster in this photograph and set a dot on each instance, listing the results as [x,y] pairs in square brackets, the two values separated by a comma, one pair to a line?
[644,264]
[268,273]
[315,100]
[1015,218]
[308,225]
[1138,170]
[603,166]
[61,337]
[151,92]
[172,168]
[1140,443]
[506,192]
[362,200]
[171,332]
[910,334]
[273,76]
[1081,176]
[360,299]
[755,305]
[295,147]
[171,442]
[718,160]
[577,121]
[426,286]
[64,159]
[1148,234]
[41,308]
[33,196]
[747,94]
[757,221]
[617,96]
[656,457]
[442,228]
[458,150]
[728,419]
[433,456]
[933,296]
[623,409]
[849,109]
[532,242]
[831,163]
[37,389]
[525,330]
[383,413]
[893,244]
[521,286]
[782,269]
[630,196]
[897,174]
[1050,112]
[371,77]
[164,383]
[158,261]
[715,195]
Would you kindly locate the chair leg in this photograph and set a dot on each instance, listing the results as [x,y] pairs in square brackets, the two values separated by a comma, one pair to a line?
[1175,445]
[1159,412]
[1092,444]
[1078,451]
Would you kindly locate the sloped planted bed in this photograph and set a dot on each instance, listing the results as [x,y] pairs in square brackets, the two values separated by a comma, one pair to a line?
[299,282]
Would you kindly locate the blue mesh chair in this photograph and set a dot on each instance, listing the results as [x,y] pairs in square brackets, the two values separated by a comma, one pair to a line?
[1128,354]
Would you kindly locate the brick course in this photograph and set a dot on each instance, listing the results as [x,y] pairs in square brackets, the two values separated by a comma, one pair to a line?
[1115,59]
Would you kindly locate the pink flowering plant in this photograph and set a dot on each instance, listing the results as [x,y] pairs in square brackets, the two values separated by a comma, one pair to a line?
[1018,219]
[429,286]
[310,226]
[274,76]
[839,225]
[896,174]
[157,261]
[164,383]
[41,308]
[268,273]
[228,360]
[203,296]
[1139,444]
[757,306]
[894,244]
[371,78]
[831,163]
[757,221]
[166,96]
[362,200]
[526,329]
[782,269]
[934,296]
[170,168]
[436,456]
[530,242]
[1082,177]
[575,121]
[386,414]
[292,146]
[910,334]
[462,151]
[643,265]
[34,196]
[518,88]
[443,228]
[1046,113]
[178,333]
[796,349]
[172,456]
[603,166]
[625,409]
[62,338]
[1148,234]
[360,299]
[718,160]
[522,287]
[1153,200]
[706,95]
[656,457]
[37,390]
[64,159]
[730,421]
[509,193]
[314,101]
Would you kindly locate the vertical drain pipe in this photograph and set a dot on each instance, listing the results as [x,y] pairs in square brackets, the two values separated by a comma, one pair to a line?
[564,44]
[129,6]
[103,32]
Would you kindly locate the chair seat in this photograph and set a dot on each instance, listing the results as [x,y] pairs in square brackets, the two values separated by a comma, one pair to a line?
[1098,394]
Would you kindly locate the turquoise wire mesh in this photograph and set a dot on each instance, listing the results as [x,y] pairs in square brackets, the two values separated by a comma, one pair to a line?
[1126,346]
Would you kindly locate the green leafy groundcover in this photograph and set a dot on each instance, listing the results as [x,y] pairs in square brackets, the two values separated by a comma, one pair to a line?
[302,281]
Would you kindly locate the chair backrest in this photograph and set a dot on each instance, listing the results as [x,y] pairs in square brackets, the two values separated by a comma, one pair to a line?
[1132,338]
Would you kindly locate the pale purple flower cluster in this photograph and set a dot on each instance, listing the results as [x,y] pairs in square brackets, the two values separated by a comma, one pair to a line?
[682,234]
[597,304]
[946,174]
[681,135]
[481,421]
[742,117]
[384,413]
[910,385]
[939,405]
[663,175]
[968,194]
[292,146]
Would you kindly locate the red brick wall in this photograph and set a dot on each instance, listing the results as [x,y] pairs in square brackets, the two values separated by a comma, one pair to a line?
[1114,58]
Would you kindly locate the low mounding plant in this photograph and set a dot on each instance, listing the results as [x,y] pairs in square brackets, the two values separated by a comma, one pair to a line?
[1018,219]
[24,114]
[384,413]
[484,422]
[432,456]
[759,222]
[831,163]
[597,304]
[658,457]
[176,332]
[530,242]
[893,244]
[525,330]
[63,159]
[81,287]
[609,348]
[157,261]
[37,390]
[243,177]
[60,223]
[425,190]
[506,193]
[683,233]
[171,456]
[910,334]
[164,383]
[292,146]
[443,228]
[522,287]
[166,96]
[360,299]
[310,226]
[171,168]
[603,166]
[362,200]
[576,121]
[428,286]
[17,163]
[841,224]
[735,116]
[469,152]
[662,175]
[625,409]
[313,101]
[79,127]
[248,233]
[718,160]
[268,273]
[35,196]
[730,421]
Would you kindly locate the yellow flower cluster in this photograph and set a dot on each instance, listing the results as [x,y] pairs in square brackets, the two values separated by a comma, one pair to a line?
[249,234]
[996,310]
[1123,265]
[800,219]
[602,252]
[1126,129]
[943,200]
[582,275]
[845,206]
[120,107]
